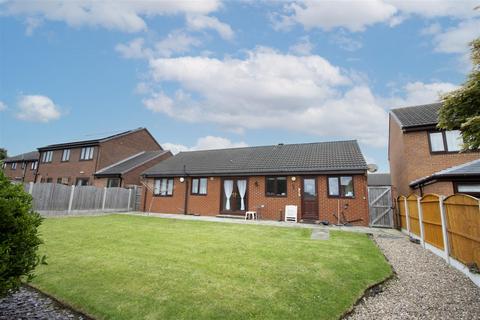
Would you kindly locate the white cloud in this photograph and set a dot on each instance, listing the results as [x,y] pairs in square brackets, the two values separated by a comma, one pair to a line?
[37,108]
[456,39]
[127,16]
[268,89]
[175,42]
[302,47]
[200,22]
[204,143]
[327,15]
[417,93]
[3,106]
[358,15]
[345,42]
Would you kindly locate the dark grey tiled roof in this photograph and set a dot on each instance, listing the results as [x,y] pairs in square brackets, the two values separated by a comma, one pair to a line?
[290,158]
[469,169]
[130,163]
[418,116]
[87,142]
[29,156]
[379,179]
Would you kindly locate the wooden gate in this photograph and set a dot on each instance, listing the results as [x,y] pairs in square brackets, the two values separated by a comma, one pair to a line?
[380,206]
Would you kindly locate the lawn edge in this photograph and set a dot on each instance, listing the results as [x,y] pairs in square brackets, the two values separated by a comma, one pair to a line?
[371,287]
[62,303]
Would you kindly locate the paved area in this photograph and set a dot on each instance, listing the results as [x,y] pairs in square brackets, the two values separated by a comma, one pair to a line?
[269,223]
[28,303]
[425,287]
[320,234]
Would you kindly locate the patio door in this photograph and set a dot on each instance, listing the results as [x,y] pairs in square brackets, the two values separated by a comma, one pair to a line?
[234,196]
[309,199]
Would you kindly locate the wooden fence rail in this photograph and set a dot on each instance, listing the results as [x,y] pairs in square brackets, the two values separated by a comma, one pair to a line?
[58,199]
[448,227]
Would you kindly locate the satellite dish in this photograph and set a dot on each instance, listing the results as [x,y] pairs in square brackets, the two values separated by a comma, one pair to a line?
[372,167]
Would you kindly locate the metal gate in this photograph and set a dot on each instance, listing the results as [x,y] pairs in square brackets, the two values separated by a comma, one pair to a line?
[380,206]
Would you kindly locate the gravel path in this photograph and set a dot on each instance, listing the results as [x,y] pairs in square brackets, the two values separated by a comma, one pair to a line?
[425,287]
[27,303]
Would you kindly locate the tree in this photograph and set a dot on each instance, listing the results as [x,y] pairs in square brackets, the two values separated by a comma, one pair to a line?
[19,240]
[3,154]
[461,108]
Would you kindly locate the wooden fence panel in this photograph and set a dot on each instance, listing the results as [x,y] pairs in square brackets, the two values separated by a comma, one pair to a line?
[87,198]
[432,220]
[117,198]
[50,196]
[413,214]
[402,212]
[463,226]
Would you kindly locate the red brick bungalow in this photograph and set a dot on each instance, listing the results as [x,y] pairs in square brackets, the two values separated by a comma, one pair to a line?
[325,180]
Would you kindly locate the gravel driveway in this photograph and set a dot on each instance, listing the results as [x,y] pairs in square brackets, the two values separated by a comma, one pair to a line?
[425,287]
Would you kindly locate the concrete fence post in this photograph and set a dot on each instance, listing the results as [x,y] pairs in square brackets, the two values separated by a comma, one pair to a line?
[129,199]
[420,220]
[104,199]
[407,215]
[443,218]
[70,202]
[30,188]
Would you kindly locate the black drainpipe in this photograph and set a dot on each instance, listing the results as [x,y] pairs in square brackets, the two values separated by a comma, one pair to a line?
[185,206]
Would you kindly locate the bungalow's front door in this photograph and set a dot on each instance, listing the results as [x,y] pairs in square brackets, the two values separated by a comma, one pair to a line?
[309,199]
[234,196]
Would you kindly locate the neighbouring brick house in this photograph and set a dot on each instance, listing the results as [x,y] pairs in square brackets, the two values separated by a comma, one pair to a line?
[324,180]
[127,171]
[78,162]
[21,167]
[418,152]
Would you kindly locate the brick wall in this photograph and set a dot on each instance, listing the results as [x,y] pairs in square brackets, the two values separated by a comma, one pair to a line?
[273,207]
[444,188]
[410,158]
[73,169]
[114,150]
[18,173]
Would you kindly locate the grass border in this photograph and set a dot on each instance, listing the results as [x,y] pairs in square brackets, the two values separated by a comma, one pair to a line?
[61,303]
[370,291]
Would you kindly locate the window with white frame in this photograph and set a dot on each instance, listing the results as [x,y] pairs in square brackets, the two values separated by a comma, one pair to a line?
[199,186]
[66,155]
[445,141]
[34,165]
[86,153]
[341,186]
[163,187]
[14,165]
[47,156]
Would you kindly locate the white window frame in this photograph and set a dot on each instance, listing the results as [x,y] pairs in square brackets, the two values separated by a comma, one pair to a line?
[163,187]
[34,165]
[66,155]
[86,153]
[47,156]
[14,166]
[446,147]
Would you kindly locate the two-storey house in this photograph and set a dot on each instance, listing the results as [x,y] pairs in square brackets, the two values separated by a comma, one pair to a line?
[83,162]
[424,159]
[21,167]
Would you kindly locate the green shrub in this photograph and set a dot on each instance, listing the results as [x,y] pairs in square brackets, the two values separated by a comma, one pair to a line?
[19,239]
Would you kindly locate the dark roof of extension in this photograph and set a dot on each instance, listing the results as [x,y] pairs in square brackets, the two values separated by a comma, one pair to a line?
[29,156]
[130,163]
[417,116]
[92,142]
[466,170]
[339,156]
[379,179]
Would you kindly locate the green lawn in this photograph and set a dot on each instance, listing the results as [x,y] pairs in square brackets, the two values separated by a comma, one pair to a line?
[133,267]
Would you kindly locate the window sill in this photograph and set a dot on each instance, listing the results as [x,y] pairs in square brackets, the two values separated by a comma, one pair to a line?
[275,196]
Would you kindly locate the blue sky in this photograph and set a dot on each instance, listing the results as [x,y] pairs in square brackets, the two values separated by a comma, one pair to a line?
[216,74]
